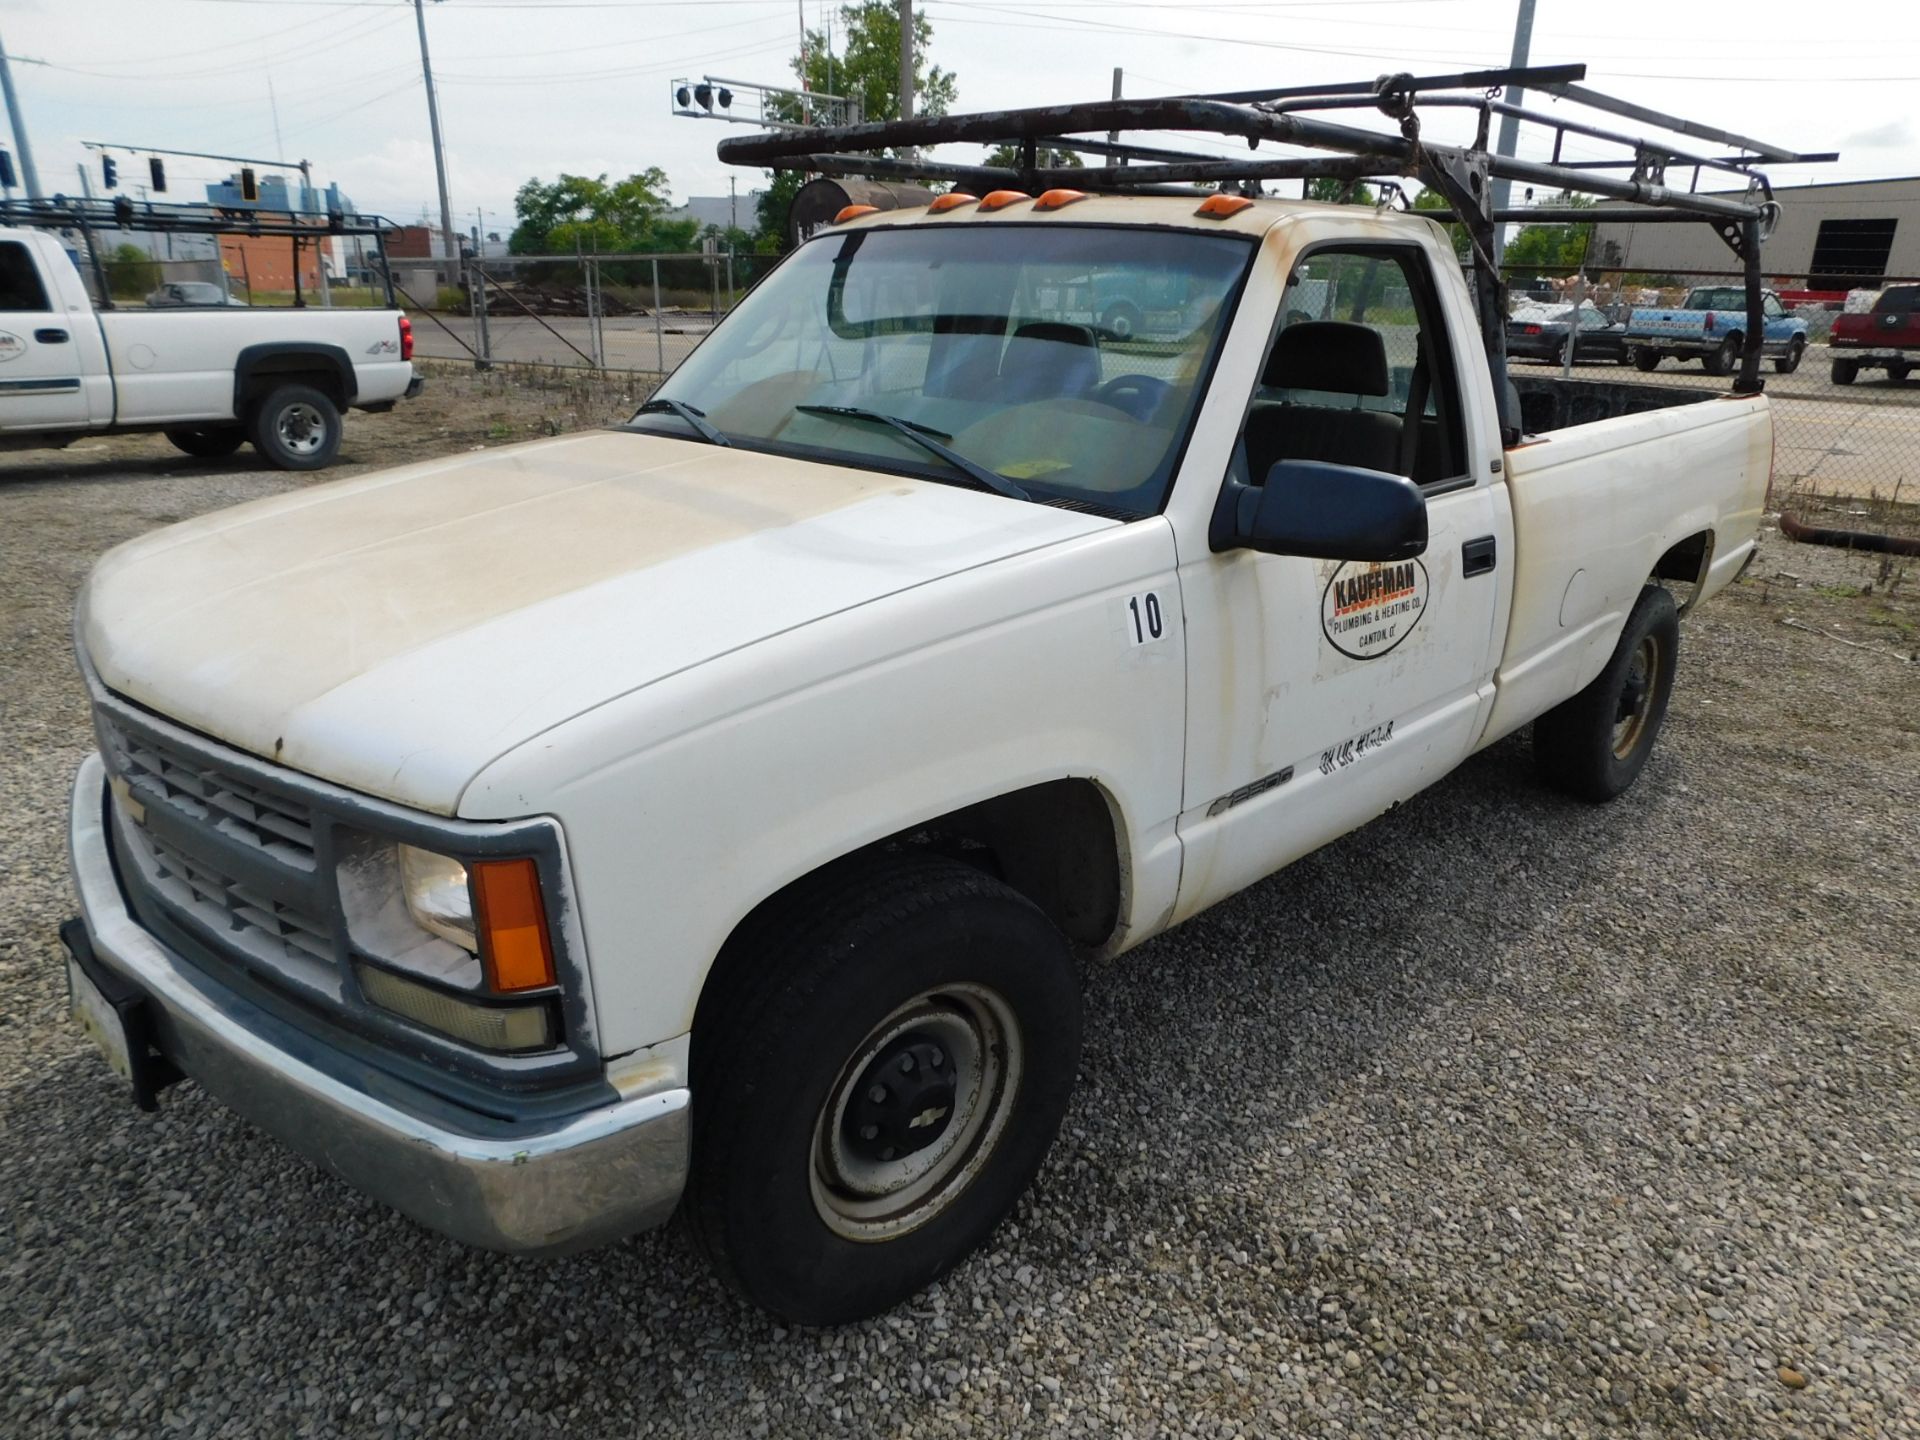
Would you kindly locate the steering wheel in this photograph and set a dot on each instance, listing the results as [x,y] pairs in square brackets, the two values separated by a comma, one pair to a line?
[1138,396]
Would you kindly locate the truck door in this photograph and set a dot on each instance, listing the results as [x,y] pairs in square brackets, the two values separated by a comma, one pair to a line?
[41,386]
[1323,692]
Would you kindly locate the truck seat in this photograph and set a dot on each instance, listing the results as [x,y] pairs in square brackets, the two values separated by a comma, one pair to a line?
[1047,359]
[1328,357]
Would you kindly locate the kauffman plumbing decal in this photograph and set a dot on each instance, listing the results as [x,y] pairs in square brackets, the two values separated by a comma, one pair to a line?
[1371,606]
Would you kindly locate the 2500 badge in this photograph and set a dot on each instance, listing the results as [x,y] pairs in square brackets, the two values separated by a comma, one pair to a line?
[1371,606]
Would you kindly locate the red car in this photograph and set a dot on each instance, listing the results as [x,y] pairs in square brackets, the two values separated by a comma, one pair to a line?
[1887,339]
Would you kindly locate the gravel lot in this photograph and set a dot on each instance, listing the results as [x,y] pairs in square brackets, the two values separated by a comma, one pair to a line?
[1505,1116]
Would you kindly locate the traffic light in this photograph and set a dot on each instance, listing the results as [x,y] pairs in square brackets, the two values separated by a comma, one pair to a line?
[109,172]
[6,171]
[249,187]
[157,173]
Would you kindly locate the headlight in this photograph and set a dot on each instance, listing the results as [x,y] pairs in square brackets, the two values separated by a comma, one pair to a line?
[438,896]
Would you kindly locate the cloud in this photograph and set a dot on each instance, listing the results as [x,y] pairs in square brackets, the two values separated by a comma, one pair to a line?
[1882,137]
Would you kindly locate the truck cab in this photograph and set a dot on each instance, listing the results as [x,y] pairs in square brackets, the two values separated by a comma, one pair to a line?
[210,378]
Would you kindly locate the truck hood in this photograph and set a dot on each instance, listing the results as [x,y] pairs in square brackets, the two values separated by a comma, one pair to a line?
[396,632]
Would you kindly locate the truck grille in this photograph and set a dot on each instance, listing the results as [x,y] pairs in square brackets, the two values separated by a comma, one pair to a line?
[234,860]
[199,791]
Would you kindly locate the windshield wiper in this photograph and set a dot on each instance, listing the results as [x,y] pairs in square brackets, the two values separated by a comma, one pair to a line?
[696,419]
[924,437]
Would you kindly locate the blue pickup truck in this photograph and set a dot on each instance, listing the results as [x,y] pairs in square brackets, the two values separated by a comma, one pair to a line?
[1710,326]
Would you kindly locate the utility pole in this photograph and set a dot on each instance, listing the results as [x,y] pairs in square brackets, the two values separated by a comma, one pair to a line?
[1509,125]
[1113,136]
[27,172]
[733,205]
[433,121]
[906,59]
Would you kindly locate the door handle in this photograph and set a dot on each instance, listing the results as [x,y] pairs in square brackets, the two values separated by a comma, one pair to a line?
[51,337]
[1477,556]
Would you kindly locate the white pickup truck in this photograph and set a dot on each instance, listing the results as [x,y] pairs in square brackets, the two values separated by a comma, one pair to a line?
[707,812]
[210,378]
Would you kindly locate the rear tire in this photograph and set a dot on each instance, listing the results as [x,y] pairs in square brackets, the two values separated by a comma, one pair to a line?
[296,428]
[1845,372]
[1721,361]
[808,1193]
[1595,745]
[1122,319]
[1788,363]
[1646,360]
[208,442]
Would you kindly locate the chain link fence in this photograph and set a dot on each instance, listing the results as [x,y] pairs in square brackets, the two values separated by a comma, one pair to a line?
[1847,436]
[605,312]
[1846,417]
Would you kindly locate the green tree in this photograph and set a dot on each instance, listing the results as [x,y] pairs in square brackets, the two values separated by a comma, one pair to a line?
[1047,157]
[131,272]
[589,213]
[1431,199]
[1334,191]
[1557,247]
[867,69]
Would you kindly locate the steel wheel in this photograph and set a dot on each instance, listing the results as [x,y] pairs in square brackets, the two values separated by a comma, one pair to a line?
[302,428]
[916,1112]
[1636,696]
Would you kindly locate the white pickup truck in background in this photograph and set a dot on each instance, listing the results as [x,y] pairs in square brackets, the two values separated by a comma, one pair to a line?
[710,813]
[211,379]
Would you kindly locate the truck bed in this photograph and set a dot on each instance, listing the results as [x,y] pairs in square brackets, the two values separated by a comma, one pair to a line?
[1608,475]
[1554,403]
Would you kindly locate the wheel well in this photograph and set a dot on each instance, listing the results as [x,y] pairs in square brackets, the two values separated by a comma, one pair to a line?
[1056,843]
[1686,562]
[262,367]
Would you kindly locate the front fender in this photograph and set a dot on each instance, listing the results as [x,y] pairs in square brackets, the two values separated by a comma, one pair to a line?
[686,803]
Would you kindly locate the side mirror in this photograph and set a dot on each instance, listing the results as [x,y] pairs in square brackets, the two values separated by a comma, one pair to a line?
[1324,512]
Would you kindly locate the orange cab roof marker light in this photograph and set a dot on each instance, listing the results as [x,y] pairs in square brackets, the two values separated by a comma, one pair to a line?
[952,200]
[1000,199]
[1058,199]
[512,923]
[1222,206]
[854,212]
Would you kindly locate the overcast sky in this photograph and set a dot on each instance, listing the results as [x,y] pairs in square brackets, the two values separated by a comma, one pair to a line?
[535,87]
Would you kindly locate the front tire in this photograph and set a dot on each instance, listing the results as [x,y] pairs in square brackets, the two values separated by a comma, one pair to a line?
[880,1064]
[1646,360]
[208,442]
[1595,745]
[296,428]
[1788,363]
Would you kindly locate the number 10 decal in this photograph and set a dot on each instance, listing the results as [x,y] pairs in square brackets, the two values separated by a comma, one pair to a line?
[1144,622]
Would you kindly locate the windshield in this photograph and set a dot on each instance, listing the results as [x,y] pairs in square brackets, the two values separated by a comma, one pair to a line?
[1067,359]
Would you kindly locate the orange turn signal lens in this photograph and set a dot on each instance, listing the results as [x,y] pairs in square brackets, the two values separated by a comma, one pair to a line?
[1058,199]
[1000,199]
[952,200]
[515,952]
[854,212]
[1221,206]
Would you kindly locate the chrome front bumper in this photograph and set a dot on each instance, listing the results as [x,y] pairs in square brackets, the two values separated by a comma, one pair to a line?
[593,1178]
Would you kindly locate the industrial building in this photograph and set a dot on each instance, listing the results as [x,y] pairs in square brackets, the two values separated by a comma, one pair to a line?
[1835,237]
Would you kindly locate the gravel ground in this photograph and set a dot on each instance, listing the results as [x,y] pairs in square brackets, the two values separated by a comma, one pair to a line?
[1504,1116]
